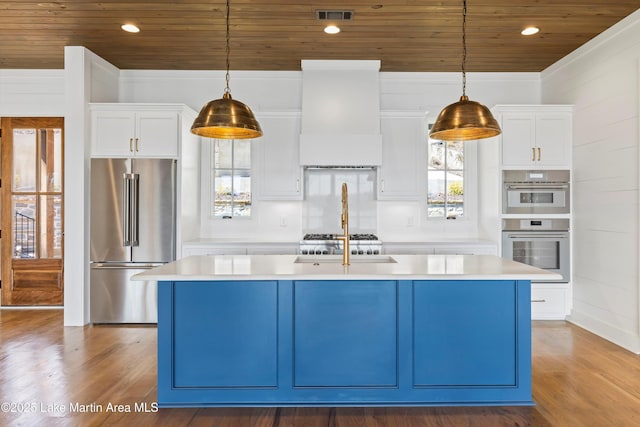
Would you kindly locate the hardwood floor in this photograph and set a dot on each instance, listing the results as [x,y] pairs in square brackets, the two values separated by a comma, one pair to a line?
[49,373]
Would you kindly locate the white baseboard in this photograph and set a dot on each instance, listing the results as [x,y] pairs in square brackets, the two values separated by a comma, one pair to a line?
[619,337]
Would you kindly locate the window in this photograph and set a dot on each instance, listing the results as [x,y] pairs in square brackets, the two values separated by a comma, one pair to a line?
[231,178]
[445,179]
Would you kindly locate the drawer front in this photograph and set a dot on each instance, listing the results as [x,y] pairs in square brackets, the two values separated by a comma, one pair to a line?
[548,303]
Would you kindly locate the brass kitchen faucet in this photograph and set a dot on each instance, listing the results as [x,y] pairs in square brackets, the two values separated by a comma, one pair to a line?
[344,220]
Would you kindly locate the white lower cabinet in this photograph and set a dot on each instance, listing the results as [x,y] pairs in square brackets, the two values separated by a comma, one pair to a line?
[467,250]
[440,248]
[273,250]
[549,301]
[399,249]
[250,248]
[212,250]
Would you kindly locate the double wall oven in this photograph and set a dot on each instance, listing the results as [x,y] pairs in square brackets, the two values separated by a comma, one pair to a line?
[537,232]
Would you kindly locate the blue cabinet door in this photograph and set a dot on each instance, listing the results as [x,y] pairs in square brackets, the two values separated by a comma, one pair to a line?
[465,333]
[225,334]
[345,334]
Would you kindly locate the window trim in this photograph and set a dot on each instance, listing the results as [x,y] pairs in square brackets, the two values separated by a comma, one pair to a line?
[207,197]
[470,174]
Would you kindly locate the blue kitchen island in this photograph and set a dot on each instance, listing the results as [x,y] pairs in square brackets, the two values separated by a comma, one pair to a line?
[281,330]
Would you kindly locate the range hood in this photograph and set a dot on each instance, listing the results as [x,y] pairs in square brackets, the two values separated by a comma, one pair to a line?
[340,113]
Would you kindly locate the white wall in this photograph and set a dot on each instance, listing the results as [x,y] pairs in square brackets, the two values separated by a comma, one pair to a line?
[601,80]
[31,93]
[88,78]
[282,91]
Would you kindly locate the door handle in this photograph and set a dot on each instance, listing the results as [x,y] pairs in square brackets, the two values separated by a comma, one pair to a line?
[134,209]
[126,201]
[131,145]
[533,154]
[539,151]
[537,236]
[137,148]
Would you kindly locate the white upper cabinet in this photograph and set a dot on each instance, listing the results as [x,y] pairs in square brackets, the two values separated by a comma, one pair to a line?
[132,130]
[404,140]
[536,136]
[279,172]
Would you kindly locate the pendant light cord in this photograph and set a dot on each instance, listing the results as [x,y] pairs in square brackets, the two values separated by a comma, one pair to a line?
[464,47]
[226,89]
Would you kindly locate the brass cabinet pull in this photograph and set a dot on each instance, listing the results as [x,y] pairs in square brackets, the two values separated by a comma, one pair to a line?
[130,145]
[137,148]
[533,154]
[539,150]
[538,300]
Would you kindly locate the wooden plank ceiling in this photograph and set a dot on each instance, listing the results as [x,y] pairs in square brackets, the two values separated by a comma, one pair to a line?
[406,35]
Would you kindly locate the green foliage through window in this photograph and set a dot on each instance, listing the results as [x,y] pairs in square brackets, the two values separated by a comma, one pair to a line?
[445,179]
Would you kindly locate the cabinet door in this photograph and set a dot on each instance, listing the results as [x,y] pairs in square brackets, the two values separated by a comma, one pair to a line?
[518,139]
[211,250]
[403,148]
[112,133]
[345,334]
[279,158]
[156,134]
[553,139]
[131,133]
[273,250]
[467,250]
[455,319]
[225,334]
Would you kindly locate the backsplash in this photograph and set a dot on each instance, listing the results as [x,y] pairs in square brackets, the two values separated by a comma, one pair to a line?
[322,202]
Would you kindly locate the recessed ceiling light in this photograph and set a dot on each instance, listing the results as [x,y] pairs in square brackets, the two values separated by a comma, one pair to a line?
[130,28]
[331,29]
[530,31]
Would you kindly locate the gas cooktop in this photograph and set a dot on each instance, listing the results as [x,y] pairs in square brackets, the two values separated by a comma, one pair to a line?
[326,236]
[328,244]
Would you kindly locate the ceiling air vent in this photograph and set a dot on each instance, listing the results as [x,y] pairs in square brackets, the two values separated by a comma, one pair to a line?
[334,15]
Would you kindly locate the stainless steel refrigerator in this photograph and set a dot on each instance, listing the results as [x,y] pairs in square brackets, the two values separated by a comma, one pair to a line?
[133,228]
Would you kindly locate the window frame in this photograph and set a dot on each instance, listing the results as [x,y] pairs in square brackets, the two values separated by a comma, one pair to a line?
[208,176]
[470,178]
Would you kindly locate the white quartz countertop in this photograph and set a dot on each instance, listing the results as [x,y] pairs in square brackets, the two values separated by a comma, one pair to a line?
[329,267]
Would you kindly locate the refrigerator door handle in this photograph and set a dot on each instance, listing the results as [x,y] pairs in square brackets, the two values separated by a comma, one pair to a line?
[126,202]
[135,241]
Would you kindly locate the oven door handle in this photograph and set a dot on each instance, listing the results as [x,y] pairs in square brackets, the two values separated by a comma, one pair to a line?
[541,187]
[537,236]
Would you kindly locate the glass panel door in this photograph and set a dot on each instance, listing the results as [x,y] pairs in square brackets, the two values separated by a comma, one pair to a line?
[32,167]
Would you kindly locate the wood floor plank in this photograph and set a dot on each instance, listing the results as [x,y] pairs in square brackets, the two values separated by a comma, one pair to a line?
[579,379]
[304,417]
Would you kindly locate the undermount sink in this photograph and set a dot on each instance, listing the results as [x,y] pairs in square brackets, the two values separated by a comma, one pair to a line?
[336,259]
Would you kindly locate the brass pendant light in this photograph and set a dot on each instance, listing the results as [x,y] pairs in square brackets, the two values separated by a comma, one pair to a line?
[226,118]
[464,120]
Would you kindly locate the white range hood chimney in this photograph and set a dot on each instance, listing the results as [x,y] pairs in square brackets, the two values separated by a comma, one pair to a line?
[340,113]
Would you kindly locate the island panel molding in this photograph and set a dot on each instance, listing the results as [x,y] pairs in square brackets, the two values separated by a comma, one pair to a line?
[345,334]
[488,334]
[225,343]
[236,342]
